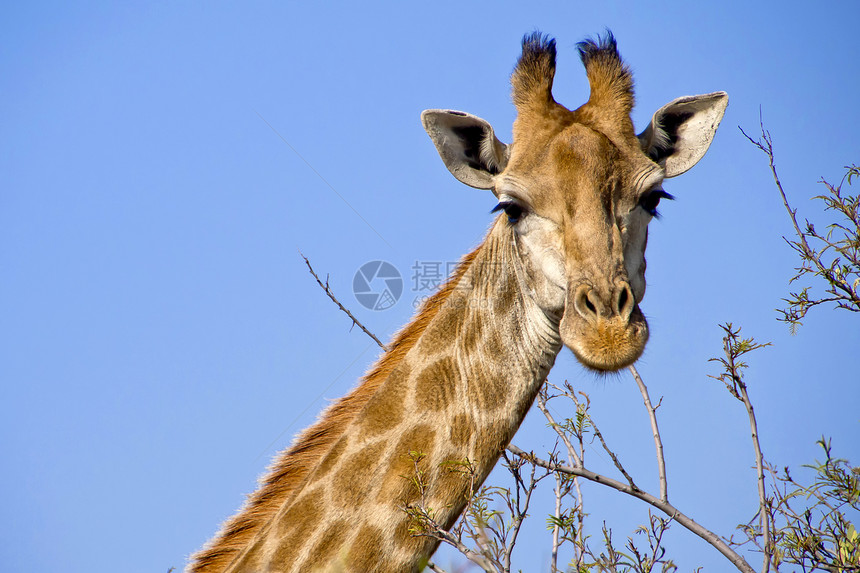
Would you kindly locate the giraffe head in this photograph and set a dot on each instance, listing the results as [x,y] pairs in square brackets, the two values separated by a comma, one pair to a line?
[578,189]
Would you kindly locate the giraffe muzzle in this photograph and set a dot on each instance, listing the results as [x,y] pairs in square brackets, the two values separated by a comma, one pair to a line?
[604,327]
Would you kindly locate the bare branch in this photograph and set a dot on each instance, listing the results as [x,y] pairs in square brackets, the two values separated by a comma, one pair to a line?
[766,145]
[658,442]
[574,458]
[734,348]
[553,564]
[328,291]
[520,510]
[842,273]
[476,558]
[664,506]
[613,456]
[541,403]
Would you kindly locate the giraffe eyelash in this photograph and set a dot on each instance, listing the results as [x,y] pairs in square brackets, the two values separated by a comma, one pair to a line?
[513,210]
[651,200]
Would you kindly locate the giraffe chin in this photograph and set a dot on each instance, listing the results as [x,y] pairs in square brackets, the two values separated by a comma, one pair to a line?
[605,345]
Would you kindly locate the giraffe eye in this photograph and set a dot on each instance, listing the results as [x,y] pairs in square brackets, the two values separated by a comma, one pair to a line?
[514,211]
[651,200]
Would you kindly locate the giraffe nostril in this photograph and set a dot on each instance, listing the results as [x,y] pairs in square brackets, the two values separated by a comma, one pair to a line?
[622,299]
[587,303]
[614,302]
[625,300]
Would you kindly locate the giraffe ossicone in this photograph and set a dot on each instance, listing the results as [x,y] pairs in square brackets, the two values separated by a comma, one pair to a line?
[562,265]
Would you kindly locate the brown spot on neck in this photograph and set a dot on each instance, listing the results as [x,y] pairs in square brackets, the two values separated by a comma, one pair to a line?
[364,554]
[385,408]
[436,386]
[356,475]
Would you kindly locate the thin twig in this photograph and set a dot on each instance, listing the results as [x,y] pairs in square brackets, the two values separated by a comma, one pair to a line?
[476,558]
[541,403]
[845,294]
[766,145]
[553,564]
[712,538]
[428,526]
[521,511]
[762,492]
[734,350]
[613,456]
[574,458]
[658,443]
[328,291]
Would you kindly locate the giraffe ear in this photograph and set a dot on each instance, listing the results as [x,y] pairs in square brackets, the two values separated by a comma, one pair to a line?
[681,131]
[468,146]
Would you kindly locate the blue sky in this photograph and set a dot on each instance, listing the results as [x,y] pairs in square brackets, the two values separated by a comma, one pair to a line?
[161,338]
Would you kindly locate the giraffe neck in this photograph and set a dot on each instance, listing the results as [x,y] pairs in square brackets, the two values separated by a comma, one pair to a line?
[445,413]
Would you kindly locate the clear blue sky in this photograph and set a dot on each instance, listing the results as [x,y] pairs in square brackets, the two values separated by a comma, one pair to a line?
[161,339]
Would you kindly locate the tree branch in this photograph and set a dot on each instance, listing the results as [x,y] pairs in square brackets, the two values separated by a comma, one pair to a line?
[735,347]
[658,442]
[664,506]
[837,276]
[613,456]
[574,457]
[328,291]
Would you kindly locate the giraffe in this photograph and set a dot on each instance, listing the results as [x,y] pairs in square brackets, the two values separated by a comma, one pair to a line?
[562,265]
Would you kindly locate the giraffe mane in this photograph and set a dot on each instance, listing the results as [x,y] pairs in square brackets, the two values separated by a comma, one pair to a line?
[291,467]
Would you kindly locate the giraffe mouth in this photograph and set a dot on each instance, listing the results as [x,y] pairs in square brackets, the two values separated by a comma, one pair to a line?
[605,344]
